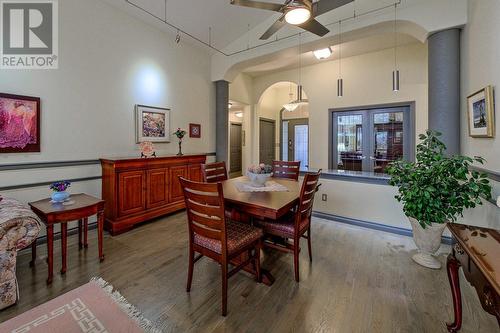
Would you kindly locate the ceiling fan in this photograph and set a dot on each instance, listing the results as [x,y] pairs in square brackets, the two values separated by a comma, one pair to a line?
[301,13]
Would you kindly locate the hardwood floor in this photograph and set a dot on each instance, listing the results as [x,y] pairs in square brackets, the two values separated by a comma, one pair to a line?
[360,281]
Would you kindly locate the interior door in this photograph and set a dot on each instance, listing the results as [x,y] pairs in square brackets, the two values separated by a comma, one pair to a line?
[295,141]
[235,149]
[267,139]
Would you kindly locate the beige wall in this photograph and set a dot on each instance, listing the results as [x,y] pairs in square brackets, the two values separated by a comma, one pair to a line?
[480,67]
[109,62]
[480,56]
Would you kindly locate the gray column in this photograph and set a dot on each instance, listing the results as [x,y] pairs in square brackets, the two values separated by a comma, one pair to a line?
[221,119]
[444,87]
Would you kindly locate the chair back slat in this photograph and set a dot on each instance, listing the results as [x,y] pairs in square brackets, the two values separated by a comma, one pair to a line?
[202,208]
[285,169]
[205,210]
[207,222]
[205,232]
[307,193]
[214,172]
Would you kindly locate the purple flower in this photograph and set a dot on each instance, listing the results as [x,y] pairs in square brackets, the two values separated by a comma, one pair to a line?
[60,186]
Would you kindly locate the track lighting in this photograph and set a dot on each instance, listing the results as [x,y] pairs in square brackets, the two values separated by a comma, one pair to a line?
[178,37]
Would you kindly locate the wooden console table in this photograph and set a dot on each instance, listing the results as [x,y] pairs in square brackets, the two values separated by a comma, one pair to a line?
[51,213]
[140,189]
[477,251]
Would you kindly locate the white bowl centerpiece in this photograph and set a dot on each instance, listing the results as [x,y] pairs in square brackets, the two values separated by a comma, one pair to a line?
[259,174]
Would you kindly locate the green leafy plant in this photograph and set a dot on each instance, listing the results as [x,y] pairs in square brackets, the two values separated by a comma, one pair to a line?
[437,188]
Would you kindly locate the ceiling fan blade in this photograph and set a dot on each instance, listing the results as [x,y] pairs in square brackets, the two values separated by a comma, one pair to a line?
[324,6]
[315,27]
[258,4]
[280,23]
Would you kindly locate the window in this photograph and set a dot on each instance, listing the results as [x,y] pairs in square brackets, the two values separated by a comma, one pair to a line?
[370,139]
[302,144]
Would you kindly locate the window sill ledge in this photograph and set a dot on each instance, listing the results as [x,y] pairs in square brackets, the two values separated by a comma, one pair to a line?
[351,176]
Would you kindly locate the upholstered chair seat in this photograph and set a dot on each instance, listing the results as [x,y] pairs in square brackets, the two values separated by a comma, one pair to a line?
[239,235]
[283,226]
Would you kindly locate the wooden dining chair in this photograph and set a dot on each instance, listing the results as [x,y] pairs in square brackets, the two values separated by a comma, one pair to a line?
[214,172]
[285,169]
[295,224]
[212,235]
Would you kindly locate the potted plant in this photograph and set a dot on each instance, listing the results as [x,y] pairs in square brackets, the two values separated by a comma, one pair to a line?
[259,174]
[59,193]
[180,133]
[434,190]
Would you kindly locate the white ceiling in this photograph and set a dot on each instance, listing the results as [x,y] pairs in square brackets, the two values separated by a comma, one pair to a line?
[228,22]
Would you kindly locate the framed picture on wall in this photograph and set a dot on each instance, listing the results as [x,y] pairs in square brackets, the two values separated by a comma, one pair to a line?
[481,113]
[195,131]
[152,124]
[19,124]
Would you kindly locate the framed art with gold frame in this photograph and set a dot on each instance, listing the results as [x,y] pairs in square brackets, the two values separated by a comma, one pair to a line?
[481,113]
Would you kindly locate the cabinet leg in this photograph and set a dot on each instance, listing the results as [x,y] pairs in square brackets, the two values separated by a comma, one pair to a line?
[33,253]
[50,252]
[452,265]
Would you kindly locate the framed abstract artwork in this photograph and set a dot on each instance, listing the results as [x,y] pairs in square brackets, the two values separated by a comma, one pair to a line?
[152,124]
[19,124]
[195,131]
[481,113]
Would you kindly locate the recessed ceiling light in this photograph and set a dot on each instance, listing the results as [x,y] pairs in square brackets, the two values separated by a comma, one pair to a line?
[239,114]
[323,53]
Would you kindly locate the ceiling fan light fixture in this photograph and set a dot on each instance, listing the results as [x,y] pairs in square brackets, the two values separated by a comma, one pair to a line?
[323,53]
[298,14]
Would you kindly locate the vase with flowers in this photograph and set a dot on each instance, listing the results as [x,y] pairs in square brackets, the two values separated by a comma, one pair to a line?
[259,174]
[59,193]
[180,133]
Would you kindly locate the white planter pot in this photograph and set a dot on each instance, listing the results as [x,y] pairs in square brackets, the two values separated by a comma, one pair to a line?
[428,241]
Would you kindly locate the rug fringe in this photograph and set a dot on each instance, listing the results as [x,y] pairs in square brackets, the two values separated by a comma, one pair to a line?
[128,308]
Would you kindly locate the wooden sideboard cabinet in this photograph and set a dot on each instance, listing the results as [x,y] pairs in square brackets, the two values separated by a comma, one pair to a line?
[139,189]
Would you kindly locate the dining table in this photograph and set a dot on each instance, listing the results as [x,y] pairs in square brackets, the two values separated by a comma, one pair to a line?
[271,205]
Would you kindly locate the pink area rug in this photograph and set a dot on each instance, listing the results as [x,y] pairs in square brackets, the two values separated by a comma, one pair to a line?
[93,307]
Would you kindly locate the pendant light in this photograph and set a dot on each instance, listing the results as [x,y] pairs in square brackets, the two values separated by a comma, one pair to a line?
[299,86]
[340,81]
[395,72]
[291,105]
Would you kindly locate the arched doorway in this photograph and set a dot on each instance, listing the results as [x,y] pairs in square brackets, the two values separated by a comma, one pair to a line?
[283,124]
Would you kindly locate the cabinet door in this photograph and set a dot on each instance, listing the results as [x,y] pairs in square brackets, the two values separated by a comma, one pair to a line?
[131,192]
[157,188]
[174,184]
[195,172]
